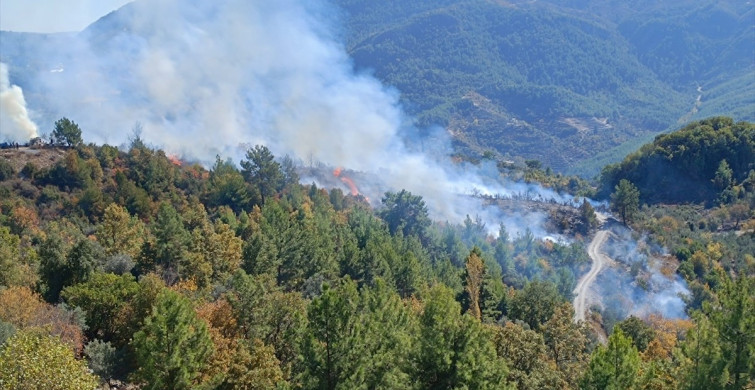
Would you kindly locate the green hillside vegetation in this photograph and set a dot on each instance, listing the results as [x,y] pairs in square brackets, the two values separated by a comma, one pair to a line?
[556,80]
[120,256]
[712,160]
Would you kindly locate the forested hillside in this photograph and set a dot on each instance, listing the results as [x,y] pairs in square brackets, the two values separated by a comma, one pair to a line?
[557,80]
[711,160]
[150,270]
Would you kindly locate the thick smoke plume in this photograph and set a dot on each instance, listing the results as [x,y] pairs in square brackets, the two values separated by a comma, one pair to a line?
[204,77]
[15,124]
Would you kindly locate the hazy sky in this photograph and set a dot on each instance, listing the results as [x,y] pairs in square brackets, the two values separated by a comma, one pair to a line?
[53,15]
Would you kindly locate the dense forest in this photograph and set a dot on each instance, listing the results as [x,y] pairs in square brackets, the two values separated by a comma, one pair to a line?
[707,160]
[129,267]
[557,80]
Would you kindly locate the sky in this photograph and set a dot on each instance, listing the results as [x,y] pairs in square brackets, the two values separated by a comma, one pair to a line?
[49,16]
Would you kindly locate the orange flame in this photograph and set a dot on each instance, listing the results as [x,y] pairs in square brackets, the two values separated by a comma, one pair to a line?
[174,160]
[346,180]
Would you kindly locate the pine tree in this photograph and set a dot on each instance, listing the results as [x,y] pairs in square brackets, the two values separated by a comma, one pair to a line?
[262,172]
[613,367]
[332,343]
[67,133]
[625,200]
[172,346]
[170,237]
[454,351]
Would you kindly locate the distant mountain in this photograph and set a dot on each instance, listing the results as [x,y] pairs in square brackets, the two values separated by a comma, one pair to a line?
[573,83]
[557,80]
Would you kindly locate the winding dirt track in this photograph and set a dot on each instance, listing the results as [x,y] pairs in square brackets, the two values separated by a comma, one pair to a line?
[599,260]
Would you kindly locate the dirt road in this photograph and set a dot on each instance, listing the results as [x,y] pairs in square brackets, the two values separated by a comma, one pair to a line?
[599,260]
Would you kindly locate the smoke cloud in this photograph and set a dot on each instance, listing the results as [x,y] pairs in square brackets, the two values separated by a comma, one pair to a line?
[15,125]
[207,78]
[648,287]
[204,78]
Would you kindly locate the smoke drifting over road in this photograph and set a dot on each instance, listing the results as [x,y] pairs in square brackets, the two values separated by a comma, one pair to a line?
[649,287]
[15,124]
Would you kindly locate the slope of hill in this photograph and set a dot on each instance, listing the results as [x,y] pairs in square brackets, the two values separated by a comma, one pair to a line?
[560,81]
[550,80]
[706,161]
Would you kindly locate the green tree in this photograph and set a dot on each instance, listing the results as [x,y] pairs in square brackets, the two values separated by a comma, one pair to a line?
[330,348]
[724,176]
[613,367]
[171,237]
[720,351]
[625,200]
[104,359]
[406,213]
[723,180]
[32,360]
[66,132]
[587,218]
[104,298]
[735,320]
[636,329]
[260,169]
[388,337]
[702,363]
[54,269]
[227,187]
[83,259]
[172,346]
[358,340]
[535,303]
[454,351]
[6,170]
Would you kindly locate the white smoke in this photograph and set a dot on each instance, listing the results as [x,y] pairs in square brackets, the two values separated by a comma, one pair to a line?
[15,125]
[660,293]
[204,77]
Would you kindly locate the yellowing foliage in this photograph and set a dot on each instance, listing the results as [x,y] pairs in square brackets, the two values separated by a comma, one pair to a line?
[21,307]
[32,360]
[667,333]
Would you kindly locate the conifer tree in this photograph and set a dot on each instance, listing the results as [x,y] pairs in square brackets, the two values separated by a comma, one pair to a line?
[613,367]
[170,237]
[454,351]
[172,346]
[625,200]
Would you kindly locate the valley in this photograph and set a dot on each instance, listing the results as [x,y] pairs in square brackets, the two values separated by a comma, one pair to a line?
[346,194]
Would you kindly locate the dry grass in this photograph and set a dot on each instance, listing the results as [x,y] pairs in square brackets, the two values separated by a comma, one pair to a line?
[42,157]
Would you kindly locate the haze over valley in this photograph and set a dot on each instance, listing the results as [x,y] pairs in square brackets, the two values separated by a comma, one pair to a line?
[395,194]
